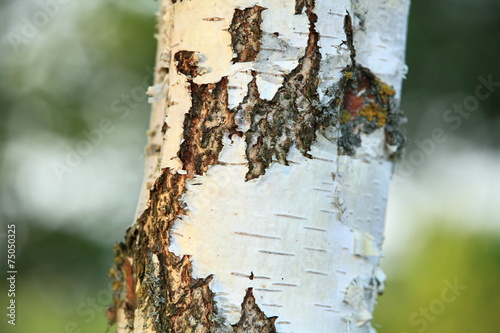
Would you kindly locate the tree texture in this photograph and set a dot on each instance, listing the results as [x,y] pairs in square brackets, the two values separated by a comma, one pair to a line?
[272,138]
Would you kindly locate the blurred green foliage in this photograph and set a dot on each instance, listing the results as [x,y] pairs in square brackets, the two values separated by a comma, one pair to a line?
[61,82]
[418,296]
[61,281]
[450,44]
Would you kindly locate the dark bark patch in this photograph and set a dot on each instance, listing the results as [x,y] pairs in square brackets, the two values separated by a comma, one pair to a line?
[349,33]
[187,63]
[246,33]
[164,128]
[169,295]
[292,116]
[205,125]
[123,282]
[299,6]
[253,319]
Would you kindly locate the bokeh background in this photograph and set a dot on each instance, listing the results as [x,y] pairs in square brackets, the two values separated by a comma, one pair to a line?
[72,135]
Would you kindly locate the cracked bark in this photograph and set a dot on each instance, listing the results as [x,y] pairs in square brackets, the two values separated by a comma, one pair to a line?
[292,116]
[159,285]
[168,295]
[246,33]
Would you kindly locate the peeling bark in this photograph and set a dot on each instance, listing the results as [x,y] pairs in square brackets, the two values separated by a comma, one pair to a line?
[168,293]
[204,126]
[213,215]
[292,117]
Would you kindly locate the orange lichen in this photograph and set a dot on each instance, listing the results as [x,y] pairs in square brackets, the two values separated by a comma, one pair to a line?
[348,75]
[373,111]
[385,91]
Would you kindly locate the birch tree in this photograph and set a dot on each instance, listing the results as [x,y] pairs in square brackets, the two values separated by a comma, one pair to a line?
[273,133]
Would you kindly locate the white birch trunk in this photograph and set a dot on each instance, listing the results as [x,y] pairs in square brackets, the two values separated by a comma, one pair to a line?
[302,227]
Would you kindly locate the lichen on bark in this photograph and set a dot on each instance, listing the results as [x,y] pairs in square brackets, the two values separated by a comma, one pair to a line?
[367,104]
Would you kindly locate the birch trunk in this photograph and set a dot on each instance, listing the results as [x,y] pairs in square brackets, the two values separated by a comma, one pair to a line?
[273,133]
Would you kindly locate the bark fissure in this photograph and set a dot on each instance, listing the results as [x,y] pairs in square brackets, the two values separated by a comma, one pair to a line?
[246,33]
[205,125]
[292,116]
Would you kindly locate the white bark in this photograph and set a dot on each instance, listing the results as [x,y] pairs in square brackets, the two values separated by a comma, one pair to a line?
[306,236]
